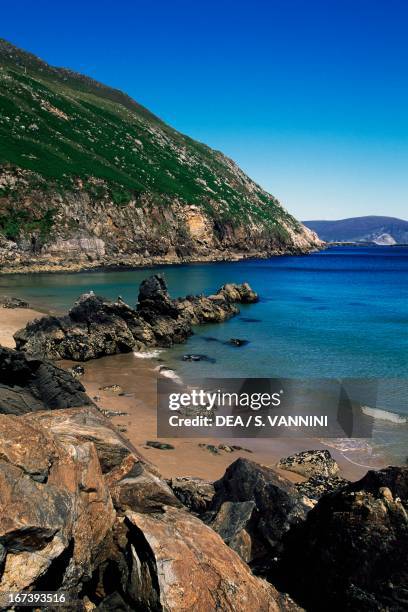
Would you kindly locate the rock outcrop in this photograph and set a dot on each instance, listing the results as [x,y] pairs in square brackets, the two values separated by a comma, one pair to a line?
[351,552]
[96,326]
[192,569]
[28,384]
[80,516]
[310,463]
[195,493]
[276,506]
[132,191]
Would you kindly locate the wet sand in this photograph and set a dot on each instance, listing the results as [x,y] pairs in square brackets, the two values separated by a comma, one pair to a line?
[13,319]
[137,379]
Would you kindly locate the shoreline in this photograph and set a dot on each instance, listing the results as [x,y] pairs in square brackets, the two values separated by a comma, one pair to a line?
[137,379]
[42,266]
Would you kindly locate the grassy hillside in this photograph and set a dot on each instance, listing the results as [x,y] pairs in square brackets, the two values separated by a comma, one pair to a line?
[63,126]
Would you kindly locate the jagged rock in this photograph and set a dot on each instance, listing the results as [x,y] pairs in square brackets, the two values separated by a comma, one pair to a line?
[29,384]
[316,486]
[238,342]
[87,424]
[159,445]
[278,505]
[96,326]
[133,487]
[310,463]
[55,508]
[230,522]
[195,493]
[351,553]
[179,564]
[77,371]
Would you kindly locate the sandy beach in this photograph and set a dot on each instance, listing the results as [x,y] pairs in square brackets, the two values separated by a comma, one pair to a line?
[137,380]
[13,319]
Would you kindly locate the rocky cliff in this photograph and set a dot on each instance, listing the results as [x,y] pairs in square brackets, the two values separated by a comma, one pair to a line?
[88,178]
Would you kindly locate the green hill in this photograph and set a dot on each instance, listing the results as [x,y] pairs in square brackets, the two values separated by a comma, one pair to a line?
[65,138]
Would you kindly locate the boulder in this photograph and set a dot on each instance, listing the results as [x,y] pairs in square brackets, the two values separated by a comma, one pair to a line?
[13,302]
[195,493]
[277,503]
[179,564]
[230,522]
[55,508]
[96,326]
[310,463]
[29,384]
[133,487]
[351,552]
[316,486]
[87,424]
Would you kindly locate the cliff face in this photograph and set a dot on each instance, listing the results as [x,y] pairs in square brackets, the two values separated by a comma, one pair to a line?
[89,177]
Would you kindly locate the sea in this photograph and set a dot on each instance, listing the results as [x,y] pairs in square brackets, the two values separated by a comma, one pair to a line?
[338,313]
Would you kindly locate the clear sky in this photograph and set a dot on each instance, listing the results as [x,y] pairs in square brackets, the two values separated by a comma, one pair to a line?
[310,97]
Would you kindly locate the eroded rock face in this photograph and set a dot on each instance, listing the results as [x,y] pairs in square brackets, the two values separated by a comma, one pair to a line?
[119,540]
[55,508]
[277,506]
[29,384]
[178,563]
[96,326]
[351,553]
[195,493]
[311,463]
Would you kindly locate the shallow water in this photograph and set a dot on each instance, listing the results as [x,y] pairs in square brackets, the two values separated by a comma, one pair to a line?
[342,312]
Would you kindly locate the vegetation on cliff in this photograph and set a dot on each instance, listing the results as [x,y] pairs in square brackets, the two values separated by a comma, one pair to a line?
[66,139]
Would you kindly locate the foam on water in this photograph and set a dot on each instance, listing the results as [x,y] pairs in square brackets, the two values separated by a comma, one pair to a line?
[148,354]
[384,415]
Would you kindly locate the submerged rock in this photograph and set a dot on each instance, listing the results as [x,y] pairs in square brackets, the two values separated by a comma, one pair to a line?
[159,445]
[310,463]
[29,384]
[96,326]
[238,342]
[351,553]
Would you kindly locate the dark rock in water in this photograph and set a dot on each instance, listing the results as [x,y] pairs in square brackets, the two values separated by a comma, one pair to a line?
[95,326]
[231,522]
[195,493]
[310,463]
[210,447]
[351,553]
[316,486]
[159,445]
[249,320]
[278,505]
[198,357]
[77,371]
[29,384]
[237,342]
[13,302]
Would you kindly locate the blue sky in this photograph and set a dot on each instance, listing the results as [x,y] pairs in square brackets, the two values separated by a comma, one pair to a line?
[309,97]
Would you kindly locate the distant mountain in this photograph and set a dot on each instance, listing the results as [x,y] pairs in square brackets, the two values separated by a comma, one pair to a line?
[380,230]
[89,175]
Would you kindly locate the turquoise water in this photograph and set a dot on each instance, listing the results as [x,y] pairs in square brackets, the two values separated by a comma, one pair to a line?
[342,312]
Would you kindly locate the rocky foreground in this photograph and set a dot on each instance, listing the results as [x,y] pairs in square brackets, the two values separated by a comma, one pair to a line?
[81,511]
[95,326]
